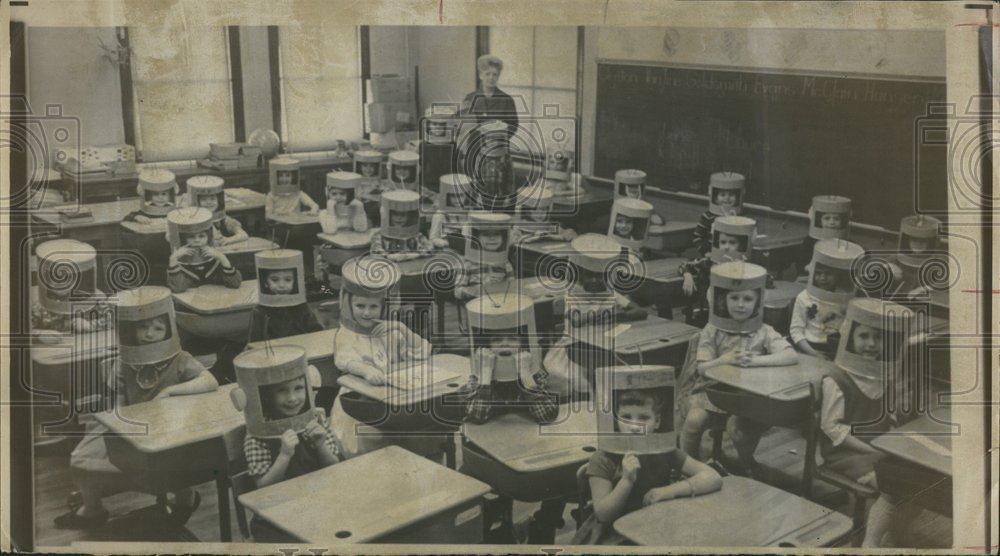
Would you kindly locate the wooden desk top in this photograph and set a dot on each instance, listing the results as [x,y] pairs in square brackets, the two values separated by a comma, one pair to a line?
[152,228]
[673,227]
[442,374]
[64,349]
[548,247]
[664,271]
[160,425]
[213,299]
[112,212]
[248,245]
[744,513]
[318,345]
[520,443]
[294,219]
[363,498]
[782,293]
[532,287]
[642,336]
[776,239]
[441,259]
[349,239]
[925,441]
[777,383]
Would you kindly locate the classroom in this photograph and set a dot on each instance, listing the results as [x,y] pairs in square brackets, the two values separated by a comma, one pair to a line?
[335,284]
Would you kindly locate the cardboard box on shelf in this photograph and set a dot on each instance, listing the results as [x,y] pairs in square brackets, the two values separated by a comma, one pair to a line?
[383,117]
[388,88]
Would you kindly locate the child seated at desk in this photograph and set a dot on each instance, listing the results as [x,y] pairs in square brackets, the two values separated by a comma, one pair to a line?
[631,184]
[193,260]
[287,435]
[533,206]
[637,463]
[853,408]
[403,168]
[454,201]
[629,223]
[369,343]
[829,218]
[735,335]
[400,238]
[486,260]
[150,366]
[157,191]
[208,192]
[368,163]
[919,251]
[281,309]
[68,298]
[819,309]
[507,373]
[732,239]
[592,307]
[286,196]
[725,198]
[343,210]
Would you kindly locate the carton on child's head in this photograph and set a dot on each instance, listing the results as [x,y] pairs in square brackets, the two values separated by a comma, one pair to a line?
[67,276]
[275,390]
[725,193]
[872,337]
[342,186]
[147,326]
[918,239]
[455,193]
[630,183]
[400,214]
[629,223]
[506,324]
[829,217]
[191,227]
[368,283]
[732,238]
[488,239]
[736,297]
[635,409]
[157,191]
[280,278]
[284,176]
[830,276]
[208,192]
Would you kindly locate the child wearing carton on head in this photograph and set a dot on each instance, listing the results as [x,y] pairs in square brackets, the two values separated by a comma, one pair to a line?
[725,198]
[853,409]
[506,361]
[68,298]
[157,191]
[533,206]
[194,261]
[593,307]
[486,258]
[731,240]
[208,193]
[637,463]
[150,366]
[735,335]
[829,218]
[287,435]
[368,344]
[400,238]
[343,212]
[455,200]
[285,196]
[819,309]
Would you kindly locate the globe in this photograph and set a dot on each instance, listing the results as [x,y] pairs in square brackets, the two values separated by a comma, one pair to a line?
[266,139]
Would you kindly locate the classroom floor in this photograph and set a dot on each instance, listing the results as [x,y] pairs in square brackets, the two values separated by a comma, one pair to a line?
[779,454]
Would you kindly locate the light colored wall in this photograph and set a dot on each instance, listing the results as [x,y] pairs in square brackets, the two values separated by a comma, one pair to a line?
[65,66]
[870,52]
[256,78]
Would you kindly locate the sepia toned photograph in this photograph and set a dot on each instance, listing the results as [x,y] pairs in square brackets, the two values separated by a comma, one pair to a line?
[455,276]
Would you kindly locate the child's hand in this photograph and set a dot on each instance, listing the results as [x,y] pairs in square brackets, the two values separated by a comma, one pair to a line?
[315,433]
[744,359]
[289,441]
[630,468]
[142,219]
[165,393]
[183,251]
[440,243]
[655,495]
[375,377]
[213,253]
[688,285]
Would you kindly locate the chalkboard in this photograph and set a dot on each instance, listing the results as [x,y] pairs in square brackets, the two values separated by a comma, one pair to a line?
[794,136]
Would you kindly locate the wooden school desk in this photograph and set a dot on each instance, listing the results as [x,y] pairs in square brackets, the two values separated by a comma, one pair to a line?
[776,249]
[386,496]
[672,237]
[653,341]
[776,396]
[319,351]
[536,257]
[213,311]
[339,248]
[743,513]
[430,279]
[175,442]
[296,231]
[587,211]
[661,285]
[525,461]
[778,303]
[548,295]
[920,465]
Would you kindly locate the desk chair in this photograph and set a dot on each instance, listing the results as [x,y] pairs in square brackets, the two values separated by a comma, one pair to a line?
[585,505]
[859,492]
[239,477]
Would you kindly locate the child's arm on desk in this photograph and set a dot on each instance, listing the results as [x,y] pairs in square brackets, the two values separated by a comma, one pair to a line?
[349,358]
[609,502]
[831,420]
[627,310]
[200,380]
[436,232]
[708,353]
[306,201]
[359,221]
[701,479]
[779,353]
[238,233]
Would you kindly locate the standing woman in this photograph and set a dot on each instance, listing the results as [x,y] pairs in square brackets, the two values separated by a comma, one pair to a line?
[486,150]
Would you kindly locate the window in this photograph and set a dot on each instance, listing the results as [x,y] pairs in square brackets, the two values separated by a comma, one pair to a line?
[182,90]
[320,85]
[540,67]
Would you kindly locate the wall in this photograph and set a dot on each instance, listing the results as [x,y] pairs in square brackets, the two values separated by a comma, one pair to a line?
[447,60]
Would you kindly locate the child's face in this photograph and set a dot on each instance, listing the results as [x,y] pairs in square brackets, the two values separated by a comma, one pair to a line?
[919,244]
[285,178]
[366,310]
[289,397]
[403,173]
[492,240]
[537,215]
[197,239]
[633,190]
[505,344]
[729,243]
[281,282]
[741,304]
[398,219]
[867,342]
[825,278]
[368,169]
[336,195]
[831,221]
[152,330]
[160,198]
[638,418]
[210,202]
[453,200]
[725,198]
[623,226]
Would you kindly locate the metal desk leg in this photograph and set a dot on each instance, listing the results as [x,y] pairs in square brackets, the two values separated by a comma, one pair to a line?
[222,492]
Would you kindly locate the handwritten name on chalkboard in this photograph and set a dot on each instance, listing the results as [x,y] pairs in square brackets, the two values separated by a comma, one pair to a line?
[794,136]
